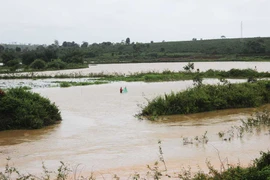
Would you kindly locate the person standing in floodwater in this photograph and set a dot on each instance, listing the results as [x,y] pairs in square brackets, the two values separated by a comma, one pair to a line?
[121,89]
[125,90]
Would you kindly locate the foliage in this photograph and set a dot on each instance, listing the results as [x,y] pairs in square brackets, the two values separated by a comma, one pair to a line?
[68,84]
[189,66]
[56,64]
[209,98]
[247,49]
[38,64]
[7,56]
[21,109]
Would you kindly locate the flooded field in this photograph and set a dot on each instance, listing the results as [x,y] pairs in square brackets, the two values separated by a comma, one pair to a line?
[157,67]
[99,132]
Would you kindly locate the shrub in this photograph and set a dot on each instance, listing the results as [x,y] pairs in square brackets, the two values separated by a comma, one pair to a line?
[21,109]
[57,64]
[210,97]
[38,64]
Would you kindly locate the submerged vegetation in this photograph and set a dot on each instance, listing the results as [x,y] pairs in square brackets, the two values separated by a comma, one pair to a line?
[151,76]
[22,109]
[204,98]
[258,170]
[70,83]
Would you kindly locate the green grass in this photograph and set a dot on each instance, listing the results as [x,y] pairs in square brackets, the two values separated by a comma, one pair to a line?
[68,84]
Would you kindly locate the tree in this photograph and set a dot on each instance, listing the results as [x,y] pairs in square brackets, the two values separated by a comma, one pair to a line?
[128,40]
[56,43]
[223,37]
[18,49]
[64,44]
[2,48]
[28,57]
[56,64]
[38,64]
[84,44]
[162,49]
[189,66]
[7,56]
[256,46]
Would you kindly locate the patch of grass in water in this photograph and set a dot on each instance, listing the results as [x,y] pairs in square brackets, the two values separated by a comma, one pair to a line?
[68,84]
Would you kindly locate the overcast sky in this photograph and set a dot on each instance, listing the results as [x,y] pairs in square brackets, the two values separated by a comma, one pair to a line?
[43,21]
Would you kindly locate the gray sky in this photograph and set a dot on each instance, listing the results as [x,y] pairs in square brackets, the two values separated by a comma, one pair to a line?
[43,21]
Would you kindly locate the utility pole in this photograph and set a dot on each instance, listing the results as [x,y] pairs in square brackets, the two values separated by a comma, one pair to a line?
[241,29]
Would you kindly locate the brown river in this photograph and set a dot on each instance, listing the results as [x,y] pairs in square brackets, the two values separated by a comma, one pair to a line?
[100,133]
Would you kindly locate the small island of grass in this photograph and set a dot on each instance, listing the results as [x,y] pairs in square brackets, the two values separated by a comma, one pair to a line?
[203,98]
[22,109]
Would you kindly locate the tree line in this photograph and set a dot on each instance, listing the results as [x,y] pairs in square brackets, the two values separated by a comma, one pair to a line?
[59,56]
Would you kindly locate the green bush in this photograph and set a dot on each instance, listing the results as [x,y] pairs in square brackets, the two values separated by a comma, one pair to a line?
[56,64]
[38,64]
[21,109]
[210,97]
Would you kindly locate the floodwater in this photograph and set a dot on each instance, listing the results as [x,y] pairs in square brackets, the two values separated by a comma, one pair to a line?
[100,133]
[158,67]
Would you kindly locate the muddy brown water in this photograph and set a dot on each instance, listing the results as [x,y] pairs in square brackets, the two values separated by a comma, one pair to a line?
[157,67]
[99,132]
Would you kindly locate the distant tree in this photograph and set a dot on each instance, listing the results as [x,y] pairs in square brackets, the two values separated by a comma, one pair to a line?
[2,48]
[162,49]
[84,44]
[256,46]
[223,37]
[198,80]
[13,64]
[152,42]
[194,39]
[7,56]
[56,43]
[189,66]
[38,64]
[56,64]
[18,49]
[28,57]
[64,44]
[128,40]
[106,43]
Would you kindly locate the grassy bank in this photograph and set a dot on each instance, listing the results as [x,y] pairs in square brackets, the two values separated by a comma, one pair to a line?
[22,109]
[204,98]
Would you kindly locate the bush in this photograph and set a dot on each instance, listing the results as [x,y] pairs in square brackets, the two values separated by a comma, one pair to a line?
[13,63]
[210,97]
[21,109]
[56,64]
[38,64]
